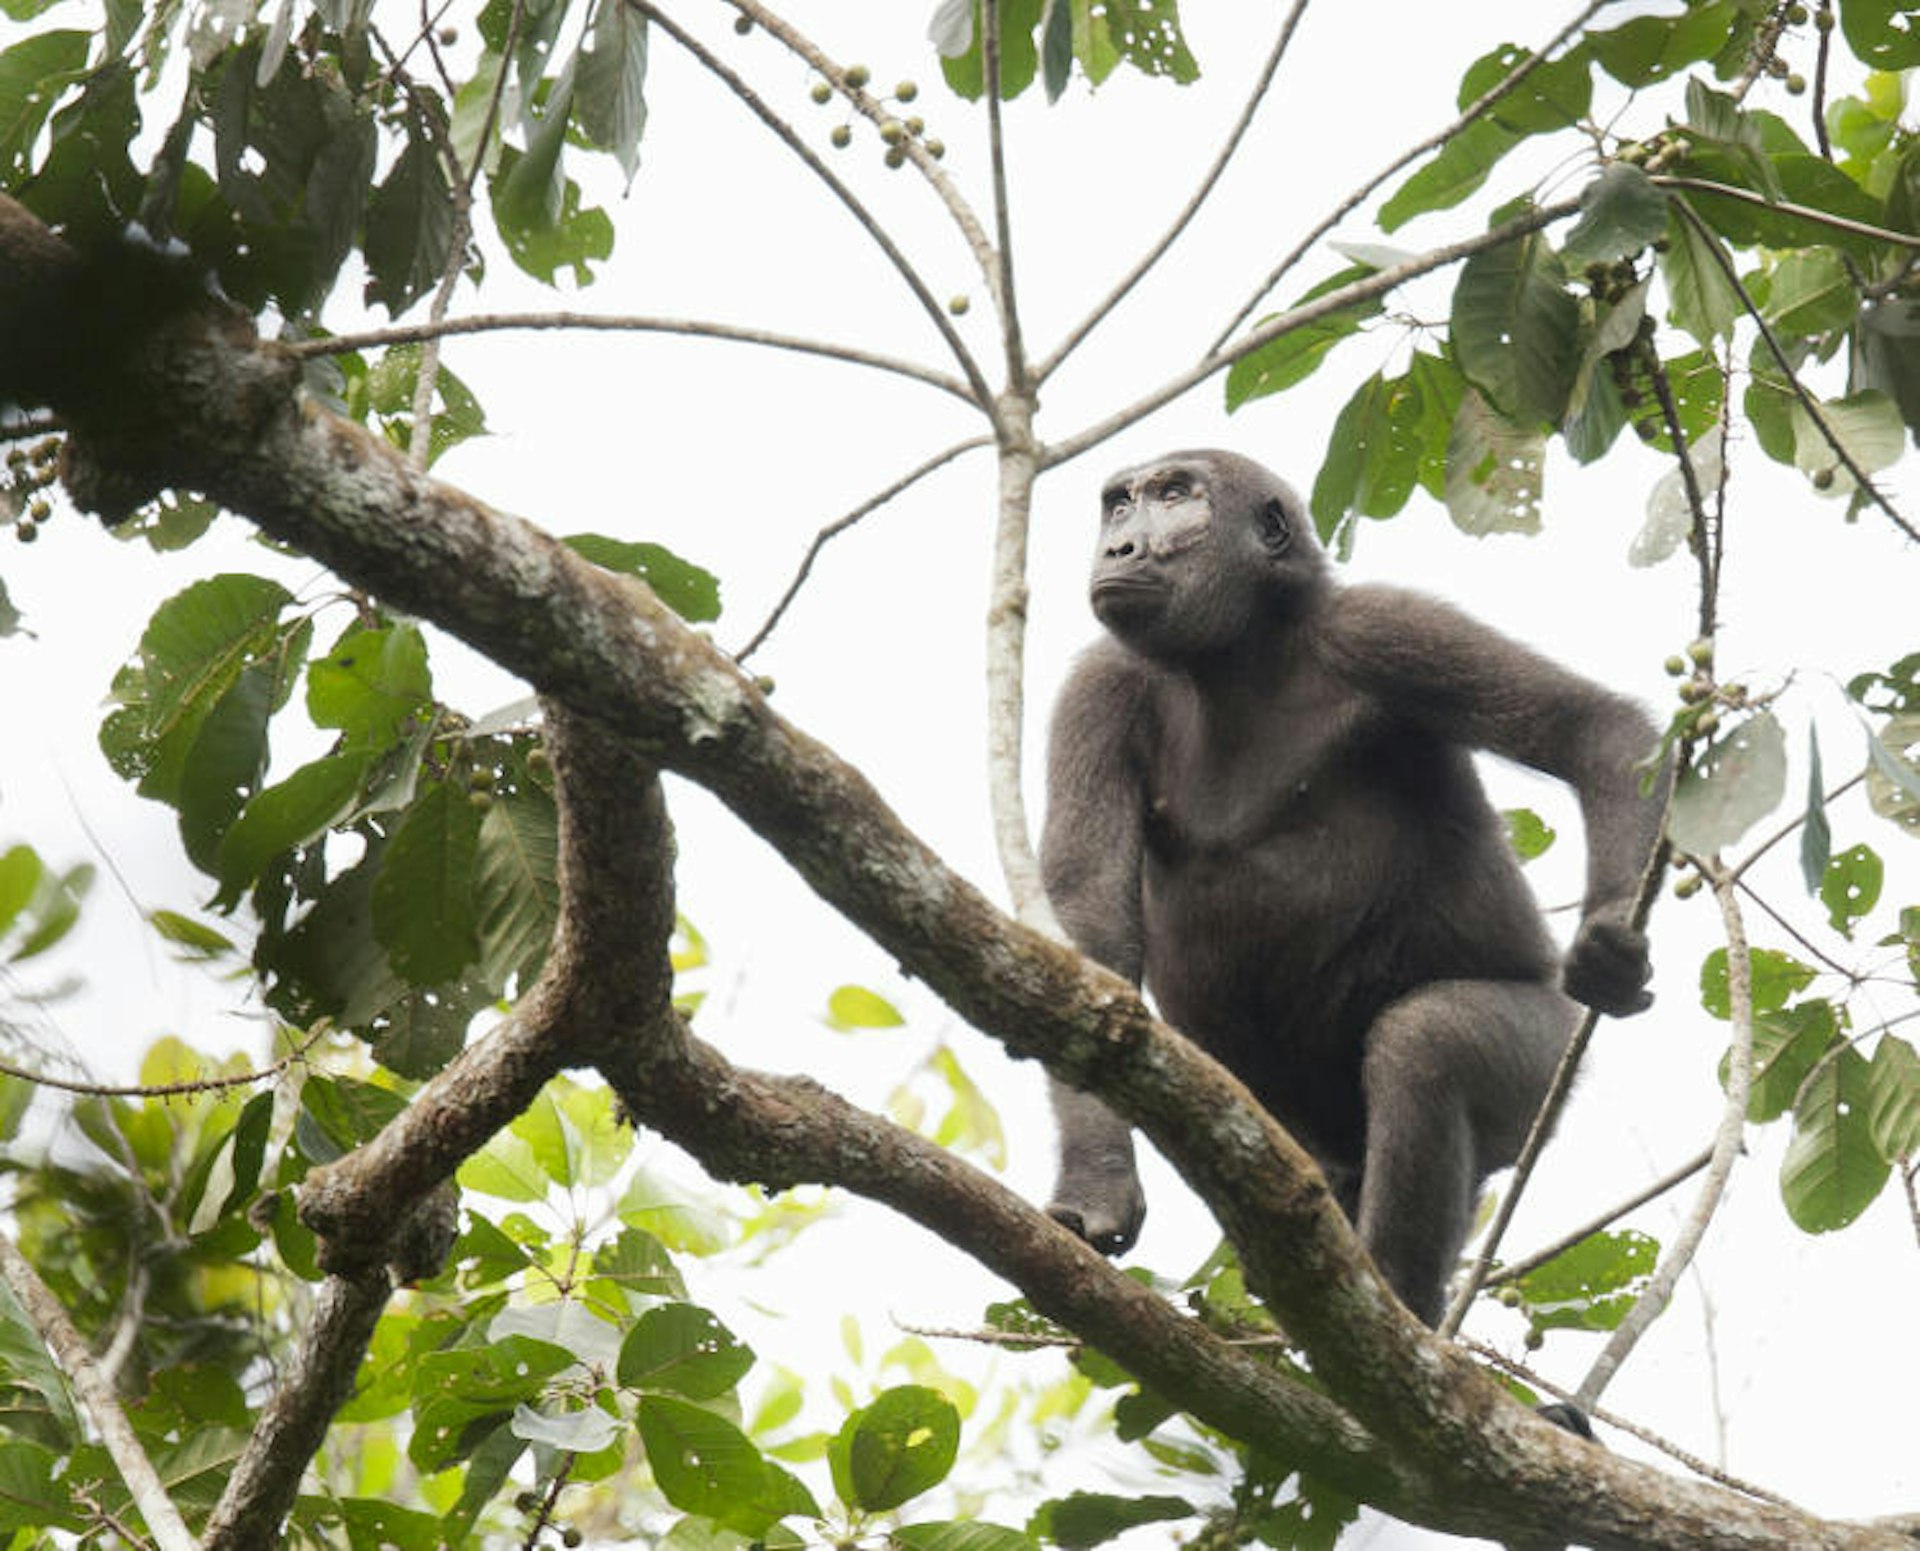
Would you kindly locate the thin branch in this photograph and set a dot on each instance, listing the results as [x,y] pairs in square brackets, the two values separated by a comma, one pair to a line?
[1105,306]
[1700,1467]
[1727,1142]
[982,393]
[1362,290]
[1474,110]
[840,525]
[1002,277]
[1792,825]
[165,1090]
[97,1399]
[1807,401]
[488,322]
[1838,223]
[876,112]
[1666,1182]
[1820,58]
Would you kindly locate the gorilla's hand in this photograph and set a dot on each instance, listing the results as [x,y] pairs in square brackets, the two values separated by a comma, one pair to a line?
[1106,1212]
[1607,965]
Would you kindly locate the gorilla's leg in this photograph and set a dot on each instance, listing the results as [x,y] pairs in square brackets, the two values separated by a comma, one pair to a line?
[1097,1191]
[1453,1074]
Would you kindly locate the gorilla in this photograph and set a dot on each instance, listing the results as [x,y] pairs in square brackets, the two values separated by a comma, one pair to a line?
[1262,804]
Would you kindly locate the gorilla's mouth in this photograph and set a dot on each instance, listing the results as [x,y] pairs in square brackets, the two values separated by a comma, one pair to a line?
[1123,600]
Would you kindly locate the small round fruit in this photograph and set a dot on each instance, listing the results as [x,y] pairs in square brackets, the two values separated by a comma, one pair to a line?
[895,156]
[906,91]
[821,93]
[480,800]
[916,126]
[892,131]
[1535,1339]
[743,25]
[1707,723]
[1823,18]
[858,76]
[449,36]
[1823,479]
[842,136]
[1676,665]
[1797,15]
[936,148]
[958,305]
[1687,887]
[1700,652]
[26,530]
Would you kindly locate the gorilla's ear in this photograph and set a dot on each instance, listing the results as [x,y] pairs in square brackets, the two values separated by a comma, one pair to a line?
[1276,528]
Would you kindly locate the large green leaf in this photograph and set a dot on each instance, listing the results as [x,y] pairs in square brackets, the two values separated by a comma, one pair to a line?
[1885,34]
[1374,455]
[689,590]
[895,1449]
[33,74]
[1621,212]
[1653,48]
[1833,1170]
[1893,1108]
[1093,1518]
[683,1348]
[1516,329]
[1552,96]
[370,683]
[1812,293]
[410,226]
[287,814]
[704,1464]
[1702,295]
[967,1535]
[194,648]
[1461,167]
[424,909]
[1296,355]
[1738,782]
[610,102]
[545,240]
[1592,1285]
[1493,471]
[1788,1043]
[516,885]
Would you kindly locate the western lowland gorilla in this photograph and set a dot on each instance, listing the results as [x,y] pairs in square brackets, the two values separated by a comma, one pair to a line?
[1262,803]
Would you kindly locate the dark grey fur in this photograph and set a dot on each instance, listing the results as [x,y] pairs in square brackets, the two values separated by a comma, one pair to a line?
[1262,803]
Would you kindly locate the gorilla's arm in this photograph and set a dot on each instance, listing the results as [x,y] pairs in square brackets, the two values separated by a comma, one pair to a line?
[1433,665]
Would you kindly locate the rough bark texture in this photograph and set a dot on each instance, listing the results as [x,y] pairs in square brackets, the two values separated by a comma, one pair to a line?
[191,400]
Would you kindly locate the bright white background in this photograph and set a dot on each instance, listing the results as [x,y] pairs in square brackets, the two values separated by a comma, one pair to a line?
[1791,1371]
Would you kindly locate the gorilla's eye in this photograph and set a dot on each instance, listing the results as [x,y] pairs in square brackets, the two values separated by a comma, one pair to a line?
[1175,490]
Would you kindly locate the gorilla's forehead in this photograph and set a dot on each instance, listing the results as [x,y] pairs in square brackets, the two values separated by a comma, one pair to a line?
[1199,466]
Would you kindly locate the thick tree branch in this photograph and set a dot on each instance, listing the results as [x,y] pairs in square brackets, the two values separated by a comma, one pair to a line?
[196,402]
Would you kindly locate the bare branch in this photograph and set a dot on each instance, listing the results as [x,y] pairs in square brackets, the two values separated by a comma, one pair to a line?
[1727,1141]
[96,1396]
[982,394]
[488,322]
[1105,306]
[1363,290]
[1530,1263]
[840,525]
[1002,277]
[1786,207]
[1478,108]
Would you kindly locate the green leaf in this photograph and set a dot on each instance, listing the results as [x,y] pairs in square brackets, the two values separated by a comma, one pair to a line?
[517,885]
[409,231]
[1851,887]
[1696,268]
[1092,1518]
[1893,1104]
[572,239]
[1527,833]
[1887,355]
[1296,355]
[1621,212]
[1493,471]
[704,1464]
[1867,425]
[1374,454]
[1788,1043]
[424,910]
[610,102]
[1592,1285]
[898,1447]
[1775,976]
[1816,834]
[1812,293]
[1552,96]
[287,814]
[20,872]
[195,939]
[969,1534]
[1893,770]
[54,909]
[1056,47]
[1883,34]
[1833,1170]
[1516,329]
[1736,783]
[1652,48]
[196,645]
[690,591]
[370,684]
[1464,162]
[228,760]
[33,76]
[855,1007]
[683,1348]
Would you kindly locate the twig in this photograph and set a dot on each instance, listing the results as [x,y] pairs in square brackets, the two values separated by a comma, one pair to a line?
[1362,290]
[1002,213]
[1105,306]
[1822,54]
[1533,1262]
[840,525]
[1693,1462]
[982,394]
[167,1090]
[1838,223]
[1726,1147]
[1475,109]
[488,322]
[1807,401]
[97,1398]
[872,109]
[1793,824]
